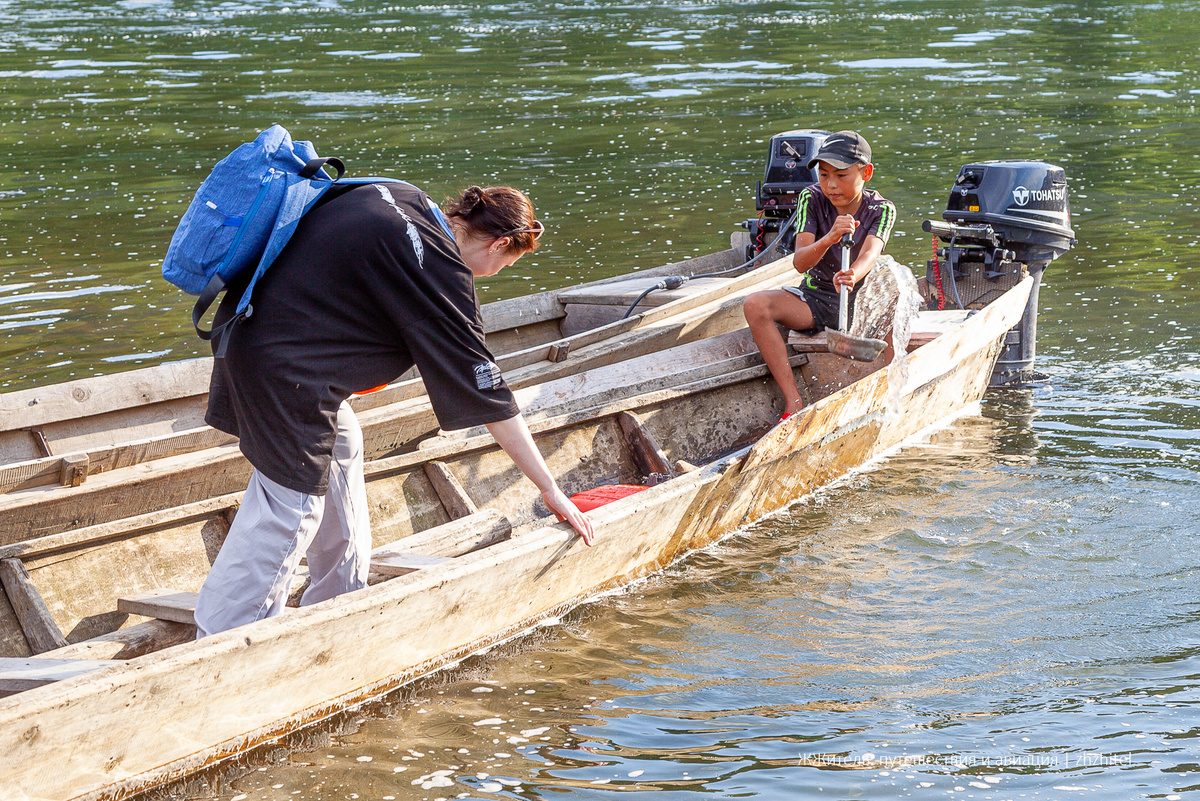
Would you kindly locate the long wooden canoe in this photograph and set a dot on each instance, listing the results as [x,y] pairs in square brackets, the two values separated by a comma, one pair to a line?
[151,464]
[112,696]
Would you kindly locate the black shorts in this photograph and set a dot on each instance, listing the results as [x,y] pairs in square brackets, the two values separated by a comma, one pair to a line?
[823,305]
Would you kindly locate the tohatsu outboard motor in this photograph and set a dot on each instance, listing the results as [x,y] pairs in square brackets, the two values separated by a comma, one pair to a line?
[1004,219]
[775,200]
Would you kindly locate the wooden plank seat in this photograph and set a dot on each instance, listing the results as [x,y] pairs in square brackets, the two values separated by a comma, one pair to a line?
[928,326]
[18,673]
[162,604]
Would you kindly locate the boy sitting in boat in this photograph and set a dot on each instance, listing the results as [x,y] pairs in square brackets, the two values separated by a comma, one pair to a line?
[838,204]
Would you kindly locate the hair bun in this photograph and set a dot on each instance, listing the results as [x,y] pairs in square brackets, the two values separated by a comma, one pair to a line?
[473,199]
[494,212]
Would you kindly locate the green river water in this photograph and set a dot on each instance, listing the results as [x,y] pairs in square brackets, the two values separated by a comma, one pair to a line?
[1010,610]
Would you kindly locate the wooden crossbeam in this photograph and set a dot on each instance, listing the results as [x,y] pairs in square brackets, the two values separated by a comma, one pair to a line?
[450,490]
[161,603]
[39,628]
[648,457]
[136,640]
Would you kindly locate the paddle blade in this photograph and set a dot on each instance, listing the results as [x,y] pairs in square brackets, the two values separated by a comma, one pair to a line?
[859,349]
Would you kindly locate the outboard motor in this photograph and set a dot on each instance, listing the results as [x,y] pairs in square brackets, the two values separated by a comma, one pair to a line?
[775,200]
[1003,219]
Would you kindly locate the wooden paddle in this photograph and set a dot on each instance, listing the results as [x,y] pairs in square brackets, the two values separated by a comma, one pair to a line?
[840,342]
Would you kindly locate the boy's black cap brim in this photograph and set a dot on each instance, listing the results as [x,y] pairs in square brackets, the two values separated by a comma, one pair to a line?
[836,162]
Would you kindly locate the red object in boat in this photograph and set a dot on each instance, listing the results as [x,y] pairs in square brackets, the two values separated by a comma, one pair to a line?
[593,498]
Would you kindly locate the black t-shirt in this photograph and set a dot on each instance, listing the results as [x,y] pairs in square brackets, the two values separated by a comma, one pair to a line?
[876,215]
[370,284]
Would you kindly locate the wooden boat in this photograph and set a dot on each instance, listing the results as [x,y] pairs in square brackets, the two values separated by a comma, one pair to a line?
[136,442]
[465,557]
[101,553]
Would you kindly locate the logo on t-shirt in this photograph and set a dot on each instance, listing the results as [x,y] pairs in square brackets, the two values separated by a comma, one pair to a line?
[414,235]
[487,376]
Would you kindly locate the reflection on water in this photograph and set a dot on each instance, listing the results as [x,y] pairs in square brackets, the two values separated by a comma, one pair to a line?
[1006,611]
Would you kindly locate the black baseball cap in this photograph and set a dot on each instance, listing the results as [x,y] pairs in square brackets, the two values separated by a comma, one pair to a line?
[842,149]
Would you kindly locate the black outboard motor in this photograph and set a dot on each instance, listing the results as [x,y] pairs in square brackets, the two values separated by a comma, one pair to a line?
[775,200]
[1003,219]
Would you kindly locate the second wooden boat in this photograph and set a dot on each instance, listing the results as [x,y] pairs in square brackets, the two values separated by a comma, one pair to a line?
[163,455]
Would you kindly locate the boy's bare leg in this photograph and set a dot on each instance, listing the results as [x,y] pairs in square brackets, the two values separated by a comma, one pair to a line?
[764,310]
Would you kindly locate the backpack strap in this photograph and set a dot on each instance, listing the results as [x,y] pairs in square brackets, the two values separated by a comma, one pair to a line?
[313,166]
[208,296]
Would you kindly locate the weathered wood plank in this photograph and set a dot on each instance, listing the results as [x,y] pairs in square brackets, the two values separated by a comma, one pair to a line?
[520,312]
[401,563]
[161,604]
[111,495]
[687,363]
[97,395]
[18,675]
[48,470]
[649,458]
[122,528]
[136,640]
[695,305]
[38,626]
[639,373]
[453,495]
[622,293]
[458,537]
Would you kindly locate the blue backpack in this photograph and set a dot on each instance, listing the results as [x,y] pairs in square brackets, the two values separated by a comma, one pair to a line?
[242,216]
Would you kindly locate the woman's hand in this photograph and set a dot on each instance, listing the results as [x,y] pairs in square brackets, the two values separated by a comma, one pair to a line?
[560,504]
[513,436]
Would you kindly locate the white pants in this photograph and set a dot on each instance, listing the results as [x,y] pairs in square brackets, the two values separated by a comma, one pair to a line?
[252,575]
